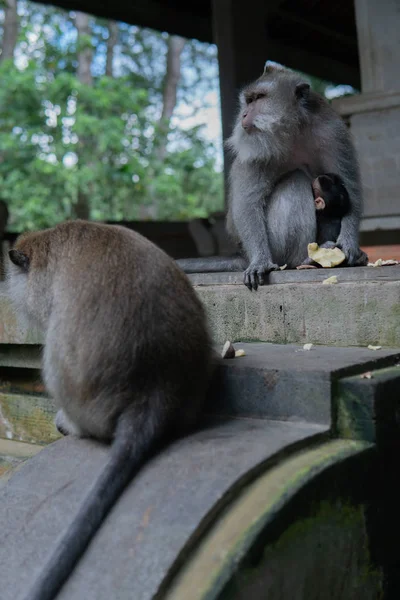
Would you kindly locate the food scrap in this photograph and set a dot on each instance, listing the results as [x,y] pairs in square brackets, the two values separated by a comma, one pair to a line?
[383,263]
[367,375]
[283,267]
[326,257]
[307,346]
[330,280]
[239,353]
[228,351]
[374,347]
[306,267]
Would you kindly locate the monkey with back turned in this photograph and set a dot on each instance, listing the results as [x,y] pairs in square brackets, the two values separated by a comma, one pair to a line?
[285,136]
[127,355]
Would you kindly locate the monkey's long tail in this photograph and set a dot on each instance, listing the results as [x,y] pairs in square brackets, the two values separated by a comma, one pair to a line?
[137,438]
[212,264]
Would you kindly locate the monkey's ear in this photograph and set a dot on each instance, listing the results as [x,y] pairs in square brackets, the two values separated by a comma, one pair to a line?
[319,203]
[20,259]
[302,90]
[272,67]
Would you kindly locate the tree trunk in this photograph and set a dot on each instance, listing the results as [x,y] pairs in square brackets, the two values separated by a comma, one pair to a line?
[10,29]
[111,43]
[81,209]
[171,81]
[85,50]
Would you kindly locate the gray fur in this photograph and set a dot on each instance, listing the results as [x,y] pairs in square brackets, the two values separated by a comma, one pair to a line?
[288,128]
[127,355]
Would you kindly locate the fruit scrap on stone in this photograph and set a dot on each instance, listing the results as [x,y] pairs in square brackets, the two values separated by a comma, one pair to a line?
[367,375]
[228,351]
[383,263]
[330,280]
[326,257]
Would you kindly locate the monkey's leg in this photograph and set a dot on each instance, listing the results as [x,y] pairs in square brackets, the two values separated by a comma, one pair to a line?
[348,242]
[250,224]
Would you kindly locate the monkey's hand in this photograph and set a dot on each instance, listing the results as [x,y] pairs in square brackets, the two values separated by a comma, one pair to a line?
[256,273]
[355,257]
[330,245]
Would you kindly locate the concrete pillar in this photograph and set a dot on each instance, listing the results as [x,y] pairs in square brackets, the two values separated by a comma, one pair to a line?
[374,115]
[240,35]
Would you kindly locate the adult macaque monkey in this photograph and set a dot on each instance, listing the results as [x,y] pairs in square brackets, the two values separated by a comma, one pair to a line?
[284,137]
[127,355]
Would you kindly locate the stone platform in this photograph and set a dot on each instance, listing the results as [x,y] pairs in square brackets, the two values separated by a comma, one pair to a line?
[185,523]
[363,308]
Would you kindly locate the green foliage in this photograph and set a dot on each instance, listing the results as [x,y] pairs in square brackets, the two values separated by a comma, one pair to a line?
[59,137]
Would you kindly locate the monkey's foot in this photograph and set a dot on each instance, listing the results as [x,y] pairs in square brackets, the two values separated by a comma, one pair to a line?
[362,260]
[308,263]
[64,425]
[355,257]
[256,273]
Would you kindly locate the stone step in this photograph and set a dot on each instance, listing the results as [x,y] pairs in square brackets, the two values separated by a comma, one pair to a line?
[171,500]
[363,308]
[206,499]
[286,382]
[12,454]
[272,381]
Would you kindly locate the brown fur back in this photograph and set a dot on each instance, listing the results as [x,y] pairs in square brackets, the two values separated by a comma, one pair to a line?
[120,320]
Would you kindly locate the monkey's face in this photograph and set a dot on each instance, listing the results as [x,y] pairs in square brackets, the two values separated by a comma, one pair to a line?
[28,279]
[272,111]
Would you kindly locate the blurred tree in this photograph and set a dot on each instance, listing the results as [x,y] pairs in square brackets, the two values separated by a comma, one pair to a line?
[10,29]
[81,109]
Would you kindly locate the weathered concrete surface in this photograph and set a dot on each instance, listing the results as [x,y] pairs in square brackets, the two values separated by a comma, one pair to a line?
[285,382]
[27,418]
[343,314]
[261,548]
[363,308]
[168,503]
[12,454]
[273,381]
[349,274]
[21,356]
[367,408]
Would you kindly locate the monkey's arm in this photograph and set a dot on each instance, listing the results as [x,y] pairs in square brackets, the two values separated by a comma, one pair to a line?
[249,194]
[348,241]
[346,165]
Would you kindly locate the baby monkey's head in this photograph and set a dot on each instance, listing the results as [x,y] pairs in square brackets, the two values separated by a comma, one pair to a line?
[330,195]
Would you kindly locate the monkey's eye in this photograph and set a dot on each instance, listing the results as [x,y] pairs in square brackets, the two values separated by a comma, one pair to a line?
[259,96]
[249,100]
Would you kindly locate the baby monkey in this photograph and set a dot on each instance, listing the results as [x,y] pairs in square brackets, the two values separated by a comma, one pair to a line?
[127,355]
[332,203]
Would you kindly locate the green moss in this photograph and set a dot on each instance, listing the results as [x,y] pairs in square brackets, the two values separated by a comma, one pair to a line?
[27,418]
[322,557]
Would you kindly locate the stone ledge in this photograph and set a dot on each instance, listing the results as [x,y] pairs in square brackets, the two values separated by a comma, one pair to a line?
[367,102]
[362,308]
[171,499]
[349,274]
[344,314]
